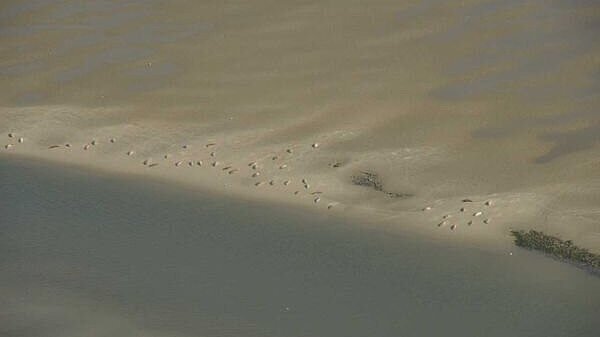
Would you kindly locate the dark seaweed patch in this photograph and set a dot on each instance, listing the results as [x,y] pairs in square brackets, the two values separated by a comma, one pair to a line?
[372,180]
[558,248]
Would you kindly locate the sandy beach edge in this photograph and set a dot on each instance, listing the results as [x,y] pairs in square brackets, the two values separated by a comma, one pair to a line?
[409,188]
[408,223]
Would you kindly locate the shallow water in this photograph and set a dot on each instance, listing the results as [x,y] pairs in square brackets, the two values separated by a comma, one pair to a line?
[99,255]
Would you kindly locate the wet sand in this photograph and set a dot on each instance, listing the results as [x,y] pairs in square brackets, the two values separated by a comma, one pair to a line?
[486,100]
[96,254]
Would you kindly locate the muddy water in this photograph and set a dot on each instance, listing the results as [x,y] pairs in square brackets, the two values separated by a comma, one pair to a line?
[98,255]
[512,64]
[521,75]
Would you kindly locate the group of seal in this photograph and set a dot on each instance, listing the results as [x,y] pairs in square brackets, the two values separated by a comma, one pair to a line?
[254,166]
[468,217]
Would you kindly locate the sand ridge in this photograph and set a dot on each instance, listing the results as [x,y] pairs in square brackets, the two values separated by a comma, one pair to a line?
[313,172]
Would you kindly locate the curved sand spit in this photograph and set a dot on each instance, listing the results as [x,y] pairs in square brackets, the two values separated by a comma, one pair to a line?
[310,175]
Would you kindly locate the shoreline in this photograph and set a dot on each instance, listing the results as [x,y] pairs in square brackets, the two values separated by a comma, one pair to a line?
[360,217]
[407,222]
[398,222]
[311,171]
[76,236]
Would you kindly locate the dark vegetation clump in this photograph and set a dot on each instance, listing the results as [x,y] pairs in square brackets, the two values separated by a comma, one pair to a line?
[370,179]
[556,247]
[399,195]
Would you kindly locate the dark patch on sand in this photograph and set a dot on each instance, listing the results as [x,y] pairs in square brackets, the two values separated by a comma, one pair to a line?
[373,180]
[557,248]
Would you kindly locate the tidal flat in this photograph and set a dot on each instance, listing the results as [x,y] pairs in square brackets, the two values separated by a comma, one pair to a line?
[297,168]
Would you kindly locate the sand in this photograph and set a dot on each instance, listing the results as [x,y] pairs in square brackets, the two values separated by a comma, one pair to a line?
[490,101]
[310,173]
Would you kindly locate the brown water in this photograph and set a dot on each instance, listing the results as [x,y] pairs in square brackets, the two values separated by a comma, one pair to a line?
[97,255]
[502,68]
